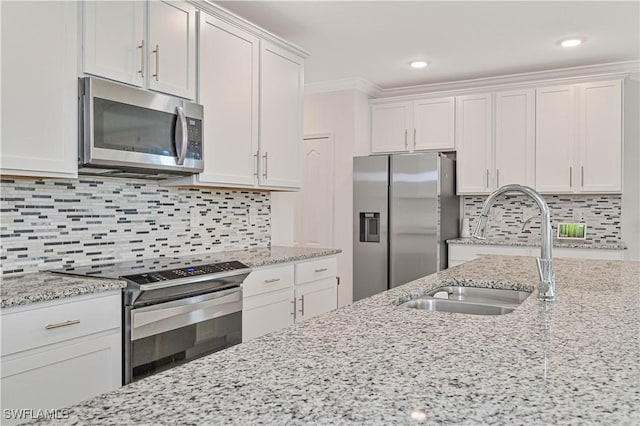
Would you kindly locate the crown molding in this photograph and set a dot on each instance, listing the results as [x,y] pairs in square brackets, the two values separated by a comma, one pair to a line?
[565,75]
[354,83]
[238,21]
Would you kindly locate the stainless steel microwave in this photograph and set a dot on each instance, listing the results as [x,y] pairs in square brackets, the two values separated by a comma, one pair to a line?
[129,132]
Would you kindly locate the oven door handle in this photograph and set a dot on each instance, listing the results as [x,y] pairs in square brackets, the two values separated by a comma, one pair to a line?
[163,317]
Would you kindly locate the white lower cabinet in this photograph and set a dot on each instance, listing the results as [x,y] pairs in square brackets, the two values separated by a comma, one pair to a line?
[276,297]
[56,354]
[315,298]
[461,253]
[268,301]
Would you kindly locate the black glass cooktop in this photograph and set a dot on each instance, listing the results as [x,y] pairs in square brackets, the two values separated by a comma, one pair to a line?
[145,271]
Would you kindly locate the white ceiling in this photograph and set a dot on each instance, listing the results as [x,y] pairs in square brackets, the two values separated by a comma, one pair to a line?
[460,40]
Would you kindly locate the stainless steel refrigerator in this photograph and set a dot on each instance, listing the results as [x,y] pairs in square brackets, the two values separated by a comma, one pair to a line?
[405,208]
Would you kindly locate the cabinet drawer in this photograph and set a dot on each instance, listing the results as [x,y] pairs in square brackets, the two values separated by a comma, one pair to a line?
[316,269]
[45,325]
[268,279]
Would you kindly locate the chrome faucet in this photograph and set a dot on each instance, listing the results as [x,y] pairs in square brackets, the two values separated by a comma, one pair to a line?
[547,286]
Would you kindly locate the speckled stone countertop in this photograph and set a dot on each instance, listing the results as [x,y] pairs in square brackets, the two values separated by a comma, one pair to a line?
[574,361]
[556,243]
[43,286]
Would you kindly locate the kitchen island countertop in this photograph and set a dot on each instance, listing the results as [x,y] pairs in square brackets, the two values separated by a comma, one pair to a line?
[574,361]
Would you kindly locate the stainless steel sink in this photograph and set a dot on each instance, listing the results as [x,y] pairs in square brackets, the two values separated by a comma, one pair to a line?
[469,300]
[483,296]
[428,304]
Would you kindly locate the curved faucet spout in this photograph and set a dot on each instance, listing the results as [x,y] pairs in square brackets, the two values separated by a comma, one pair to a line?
[547,287]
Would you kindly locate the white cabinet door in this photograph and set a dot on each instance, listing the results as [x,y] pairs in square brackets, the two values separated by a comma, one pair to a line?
[390,126]
[64,375]
[474,132]
[39,89]
[434,124]
[555,155]
[264,313]
[281,87]
[114,40]
[229,64]
[315,298]
[514,142]
[600,136]
[172,48]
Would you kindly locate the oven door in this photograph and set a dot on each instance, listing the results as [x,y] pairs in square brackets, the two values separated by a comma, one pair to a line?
[164,335]
[128,128]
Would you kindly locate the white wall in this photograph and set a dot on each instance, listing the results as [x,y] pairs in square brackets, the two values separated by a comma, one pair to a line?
[345,114]
[631,180]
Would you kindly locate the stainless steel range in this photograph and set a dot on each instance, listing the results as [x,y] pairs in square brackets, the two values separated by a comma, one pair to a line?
[175,309]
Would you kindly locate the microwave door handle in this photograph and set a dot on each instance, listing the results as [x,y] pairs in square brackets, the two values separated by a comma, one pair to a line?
[181,136]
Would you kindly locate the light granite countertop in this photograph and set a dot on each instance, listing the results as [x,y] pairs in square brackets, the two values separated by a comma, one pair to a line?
[525,243]
[44,286]
[574,361]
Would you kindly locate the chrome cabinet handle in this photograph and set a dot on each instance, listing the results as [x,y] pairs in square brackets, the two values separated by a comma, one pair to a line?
[414,139]
[272,280]
[181,136]
[322,269]
[487,178]
[256,164]
[570,177]
[582,176]
[498,178]
[266,161]
[293,302]
[406,145]
[302,304]
[141,70]
[62,324]
[157,52]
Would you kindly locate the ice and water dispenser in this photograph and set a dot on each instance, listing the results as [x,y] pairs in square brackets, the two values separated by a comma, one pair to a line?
[370,227]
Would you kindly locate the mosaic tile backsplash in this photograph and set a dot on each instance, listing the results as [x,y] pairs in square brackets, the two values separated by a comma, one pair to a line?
[601,213]
[49,224]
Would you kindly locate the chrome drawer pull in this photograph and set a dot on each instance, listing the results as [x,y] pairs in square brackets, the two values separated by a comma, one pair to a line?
[322,269]
[62,324]
[273,280]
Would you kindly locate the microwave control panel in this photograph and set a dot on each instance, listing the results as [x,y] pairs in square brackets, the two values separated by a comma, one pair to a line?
[194,135]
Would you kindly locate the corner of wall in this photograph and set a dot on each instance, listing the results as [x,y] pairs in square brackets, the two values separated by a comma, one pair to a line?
[631,176]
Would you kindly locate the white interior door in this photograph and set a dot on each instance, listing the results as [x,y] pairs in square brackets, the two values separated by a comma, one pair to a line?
[314,203]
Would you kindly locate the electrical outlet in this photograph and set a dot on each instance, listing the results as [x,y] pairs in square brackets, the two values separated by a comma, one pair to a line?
[253,215]
[578,215]
[193,218]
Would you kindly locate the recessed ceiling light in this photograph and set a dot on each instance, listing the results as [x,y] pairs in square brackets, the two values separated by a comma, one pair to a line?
[418,64]
[572,42]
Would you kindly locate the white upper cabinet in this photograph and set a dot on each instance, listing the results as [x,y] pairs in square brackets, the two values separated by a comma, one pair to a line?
[434,124]
[555,113]
[281,91]
[600,136]
[39,89]
[390,124]
[474,132]
[172,48]
[514,138]
[114,40]
[229,70]
[160,56]
[424,124]
[579,138]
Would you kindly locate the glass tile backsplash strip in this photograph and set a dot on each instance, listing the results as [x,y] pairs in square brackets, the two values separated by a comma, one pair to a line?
[49,224]
[601,213]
